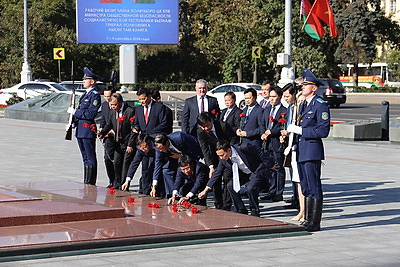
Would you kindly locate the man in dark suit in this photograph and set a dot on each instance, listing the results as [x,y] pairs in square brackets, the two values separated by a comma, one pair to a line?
[169,148]
[197,104]
[251,125]
[83,121]
[120,124]
[208,134]
[249,166]
[274,120]
[151,116]
[313,125]
[265,93]
[145,154]
[156,97]
[231,114]
[108,142]
[191,179]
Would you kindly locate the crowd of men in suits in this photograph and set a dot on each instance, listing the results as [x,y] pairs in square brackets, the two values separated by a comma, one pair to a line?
[233,152]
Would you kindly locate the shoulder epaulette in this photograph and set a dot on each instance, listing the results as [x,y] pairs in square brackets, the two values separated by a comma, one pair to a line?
[320,100]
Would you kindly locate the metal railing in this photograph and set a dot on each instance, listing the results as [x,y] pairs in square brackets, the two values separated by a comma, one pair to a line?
[176,104]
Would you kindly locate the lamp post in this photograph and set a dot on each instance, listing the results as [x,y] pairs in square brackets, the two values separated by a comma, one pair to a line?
[26,73]
[287,74]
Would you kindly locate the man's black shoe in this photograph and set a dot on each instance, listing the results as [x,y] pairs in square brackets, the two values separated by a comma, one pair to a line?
[255,213]
[267,197]
[277,199]
[110,185]
[243,211]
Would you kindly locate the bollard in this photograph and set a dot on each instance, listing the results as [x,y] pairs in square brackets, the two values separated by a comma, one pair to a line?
[385,121]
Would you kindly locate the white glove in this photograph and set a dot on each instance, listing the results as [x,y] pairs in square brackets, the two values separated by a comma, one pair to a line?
[294,129]
[71,110]
[67,127]
[287,151]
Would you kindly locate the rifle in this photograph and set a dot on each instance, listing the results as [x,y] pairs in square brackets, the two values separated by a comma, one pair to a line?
[68,134]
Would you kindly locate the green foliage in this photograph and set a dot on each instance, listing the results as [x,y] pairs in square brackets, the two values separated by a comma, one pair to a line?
[393,59]
[215,40]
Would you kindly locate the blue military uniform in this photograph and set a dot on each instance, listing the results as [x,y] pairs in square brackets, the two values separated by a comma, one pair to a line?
[84,116]
[314,120]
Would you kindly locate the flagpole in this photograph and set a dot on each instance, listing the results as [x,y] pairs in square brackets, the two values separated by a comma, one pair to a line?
[304,24]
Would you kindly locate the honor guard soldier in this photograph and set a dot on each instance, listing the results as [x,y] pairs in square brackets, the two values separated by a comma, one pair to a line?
[85,133]
[313,125]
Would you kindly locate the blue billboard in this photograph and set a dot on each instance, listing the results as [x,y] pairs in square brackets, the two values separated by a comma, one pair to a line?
[127,21]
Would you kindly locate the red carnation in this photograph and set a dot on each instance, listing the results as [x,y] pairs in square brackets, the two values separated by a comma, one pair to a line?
[150,205]
[175,205]
[214,112]
[131,200]
[282,120]
[112,190]
[121,119]
[156,205]
[271,118]
[194,210]
[186,204]
[175,209]
[132,119]
[283,114]
[85,124]
[93,127]
[241,115]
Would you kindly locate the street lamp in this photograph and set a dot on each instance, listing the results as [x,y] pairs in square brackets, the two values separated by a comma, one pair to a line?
[26,73]
[287,74]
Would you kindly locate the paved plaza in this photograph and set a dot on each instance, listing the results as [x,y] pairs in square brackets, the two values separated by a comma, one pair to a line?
[360,223]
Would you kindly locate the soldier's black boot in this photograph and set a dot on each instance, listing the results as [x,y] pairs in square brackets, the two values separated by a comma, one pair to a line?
[86,177]
[308,203]
[314,224]
[92,175]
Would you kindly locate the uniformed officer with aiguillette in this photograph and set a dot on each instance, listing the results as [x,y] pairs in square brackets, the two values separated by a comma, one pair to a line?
[85,133]
[313,124]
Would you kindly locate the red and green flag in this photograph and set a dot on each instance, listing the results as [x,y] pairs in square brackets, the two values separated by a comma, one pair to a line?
[314,14]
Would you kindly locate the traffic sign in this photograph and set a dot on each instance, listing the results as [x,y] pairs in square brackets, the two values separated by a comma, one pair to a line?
[59,53]
[256,51]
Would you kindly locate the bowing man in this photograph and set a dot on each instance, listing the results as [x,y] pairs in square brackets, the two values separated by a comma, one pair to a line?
[191,179]
[169,148]
[249,166]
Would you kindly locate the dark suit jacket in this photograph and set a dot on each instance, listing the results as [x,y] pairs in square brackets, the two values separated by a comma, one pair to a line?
[191,112]
[253,125]
[105,113]
[199,178]
[128,138]
[158,121]
[233,121]
[252,156]
[208,143]
[262,103]
[185,143]
[274,126]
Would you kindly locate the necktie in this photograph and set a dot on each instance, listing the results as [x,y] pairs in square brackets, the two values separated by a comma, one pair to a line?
[202,104]
[146,114]
[236,181]
[214,136]
[271,114]
[264,103]
[227,114]
[118,126]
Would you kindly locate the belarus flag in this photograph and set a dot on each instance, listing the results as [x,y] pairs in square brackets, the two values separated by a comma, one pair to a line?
[313,14]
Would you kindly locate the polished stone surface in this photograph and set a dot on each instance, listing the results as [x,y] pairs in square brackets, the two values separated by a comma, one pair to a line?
[65,213]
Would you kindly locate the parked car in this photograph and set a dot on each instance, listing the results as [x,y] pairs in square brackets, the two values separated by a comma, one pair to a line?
[238,89]
[78,85]
[332,91]
[31,89]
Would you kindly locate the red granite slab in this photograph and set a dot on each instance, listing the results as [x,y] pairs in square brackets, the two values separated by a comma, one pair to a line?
[73,216]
